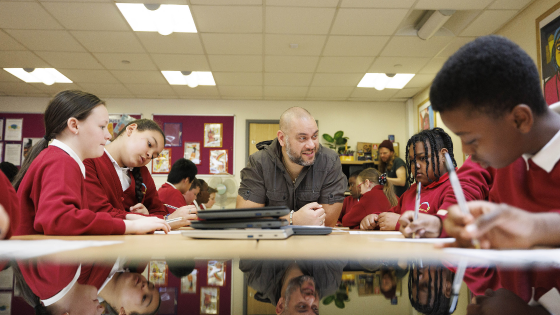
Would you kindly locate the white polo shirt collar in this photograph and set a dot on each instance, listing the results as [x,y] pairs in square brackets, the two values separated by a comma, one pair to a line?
[548,156]
[67,149]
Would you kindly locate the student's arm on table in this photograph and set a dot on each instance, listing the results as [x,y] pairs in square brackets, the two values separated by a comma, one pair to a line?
[503,301]
[502,226]
[426,225]
[369,222]
[401,177]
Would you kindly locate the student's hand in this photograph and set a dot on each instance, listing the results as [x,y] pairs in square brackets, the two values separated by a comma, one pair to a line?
[146,225]
[387,221]
[426,226]
[4,223]
[310,214]
[139,209]
[502,301]
[188,213]
[369,222]
[130,216]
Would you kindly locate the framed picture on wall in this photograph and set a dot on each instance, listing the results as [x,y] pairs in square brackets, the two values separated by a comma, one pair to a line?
[209,300]
[13,130]
[173,134]
[426,116]
[168,297]
[192,152]
[548,53]
[188,283]
[213,135]
[218,161]
[162,164]
[216,272]
[158,273]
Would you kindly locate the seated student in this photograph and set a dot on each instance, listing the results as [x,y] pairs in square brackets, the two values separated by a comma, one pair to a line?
[351,200]
[9,169]
[503,122]
[211,198]
[119,182]
[50,185]
[202,196]
[426,164]
[179,181]
[190,195]
[377,196]
[9,209]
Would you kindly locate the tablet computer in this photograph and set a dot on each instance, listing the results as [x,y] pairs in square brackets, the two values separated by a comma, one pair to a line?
[239,223]
[310,229]
[240,234]
[243,213]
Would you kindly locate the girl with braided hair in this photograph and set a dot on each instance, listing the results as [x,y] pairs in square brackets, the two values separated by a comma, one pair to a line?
[377,196]
[119,182]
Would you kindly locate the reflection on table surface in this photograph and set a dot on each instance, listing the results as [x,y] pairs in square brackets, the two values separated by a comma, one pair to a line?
[245,286]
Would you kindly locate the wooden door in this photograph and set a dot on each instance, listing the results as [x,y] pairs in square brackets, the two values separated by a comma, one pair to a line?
[260,132]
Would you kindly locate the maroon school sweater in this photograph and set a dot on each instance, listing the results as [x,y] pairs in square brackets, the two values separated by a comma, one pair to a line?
[53,200]
[347,204]
[374,201]
[10,202]
[170,195]
[105,192]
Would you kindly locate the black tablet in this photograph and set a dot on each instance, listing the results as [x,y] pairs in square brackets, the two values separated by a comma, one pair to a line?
[243,213]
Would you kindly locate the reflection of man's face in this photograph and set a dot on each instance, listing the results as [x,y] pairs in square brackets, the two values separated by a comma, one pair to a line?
[387,282]
[302,142]
[301,297]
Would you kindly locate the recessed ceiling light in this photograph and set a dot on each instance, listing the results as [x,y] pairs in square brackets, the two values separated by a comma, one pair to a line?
[164,19]
[190,78]
[47,76]
[380,81]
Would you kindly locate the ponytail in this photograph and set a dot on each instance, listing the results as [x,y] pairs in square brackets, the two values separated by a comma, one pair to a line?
[65,105]
[138,182]
[374,176]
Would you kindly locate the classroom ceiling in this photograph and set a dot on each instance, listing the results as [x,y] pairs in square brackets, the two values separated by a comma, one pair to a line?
[245,43]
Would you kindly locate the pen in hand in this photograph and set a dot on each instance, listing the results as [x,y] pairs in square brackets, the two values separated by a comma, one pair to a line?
[417,205]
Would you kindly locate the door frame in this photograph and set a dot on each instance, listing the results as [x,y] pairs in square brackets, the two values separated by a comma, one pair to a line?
[248,122]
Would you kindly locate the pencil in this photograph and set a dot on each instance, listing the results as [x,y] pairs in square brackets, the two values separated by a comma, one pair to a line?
[417,205]
[174,208]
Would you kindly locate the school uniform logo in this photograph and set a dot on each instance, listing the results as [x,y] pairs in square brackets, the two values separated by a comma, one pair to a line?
[424,207]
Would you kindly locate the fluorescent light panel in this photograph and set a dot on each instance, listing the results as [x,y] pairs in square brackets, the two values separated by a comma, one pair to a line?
[30,78]
[177,78]
[144,20]
[381,81]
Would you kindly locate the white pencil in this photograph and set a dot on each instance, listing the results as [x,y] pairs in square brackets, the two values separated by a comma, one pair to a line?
[417,205]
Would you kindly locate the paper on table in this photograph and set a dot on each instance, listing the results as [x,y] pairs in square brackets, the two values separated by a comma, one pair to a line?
[170,232]
[374,232]
[541,257]
[421,240]
[18,249]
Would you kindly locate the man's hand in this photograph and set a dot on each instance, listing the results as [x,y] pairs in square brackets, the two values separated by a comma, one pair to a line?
[426,226]
[369,222]
[310,214]
[387,221]
[502,301]
[139,209]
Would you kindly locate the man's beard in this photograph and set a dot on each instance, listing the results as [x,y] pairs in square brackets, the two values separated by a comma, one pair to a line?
[297,158]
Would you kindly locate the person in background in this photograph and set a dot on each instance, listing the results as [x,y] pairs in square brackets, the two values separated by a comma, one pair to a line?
[394,166]
[351,200]
[9,169]
[211,199]
[179,181]
[202,196]
[192,193]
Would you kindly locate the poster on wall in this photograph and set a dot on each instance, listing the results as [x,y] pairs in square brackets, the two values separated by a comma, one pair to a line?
[162,164]
[173,134]
[12,153]
[209,298]
[13,129]
[213,135]
[157,273]
[117,122]
[426,116]
[168,305]
[1,129]
[188,283]
[28,143]
[6,303]
[192,152]
[216,272]
[548,47]
[218,161]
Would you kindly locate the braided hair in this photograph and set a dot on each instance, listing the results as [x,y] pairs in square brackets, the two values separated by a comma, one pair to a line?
[141,125]
[441,303]
[438,140]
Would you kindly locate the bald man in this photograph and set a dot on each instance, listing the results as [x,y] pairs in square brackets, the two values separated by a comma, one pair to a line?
[294,170]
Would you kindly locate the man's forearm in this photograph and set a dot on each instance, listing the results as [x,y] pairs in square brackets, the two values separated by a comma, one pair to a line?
[332,213]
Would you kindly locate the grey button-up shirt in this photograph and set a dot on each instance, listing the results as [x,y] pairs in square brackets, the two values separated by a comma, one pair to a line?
[265,180]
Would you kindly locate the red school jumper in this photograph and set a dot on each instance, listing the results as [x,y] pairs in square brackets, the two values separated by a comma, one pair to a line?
[53,200]
[170,195]
[373,201]
[475,181]
[347,204]
[105,192]
[9,200]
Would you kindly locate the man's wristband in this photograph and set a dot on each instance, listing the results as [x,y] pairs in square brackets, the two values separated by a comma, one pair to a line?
[292,217]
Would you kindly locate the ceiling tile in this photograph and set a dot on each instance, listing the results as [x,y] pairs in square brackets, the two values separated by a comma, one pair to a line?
[285,91]
[288,79]
[89,76]
[488,22]
[373,94]
[110,42]
[407,93]
[227,2]
[413,46]
[433,66]
[176,43]
[344,64]
[88,16]
[56,88]
[19,88]
[455,44]
[290,63]
[386,4]
[70,60]
[284,20]
[152,90]
[398,64]
[238,78]
[233,44]
[104,89]
[227,19]
[308,45]
[181,62]
[337,79]
[5,76]
[139,77]
[8,43]
[452,4]
[509,4]
[326,98]
[21,59]
[331,91]
[303,3]
[27,16]
[241,91]
[421,81]
[235,63]
[46,40]
[459,21]
[367,21]
[354,45]
[135,61]
[184,90]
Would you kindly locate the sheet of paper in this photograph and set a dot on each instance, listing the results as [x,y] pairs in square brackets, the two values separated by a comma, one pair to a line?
[530,257]
[422,240]
[373,232]
[170,232]
[13,153]
[18,249]
[13,129]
